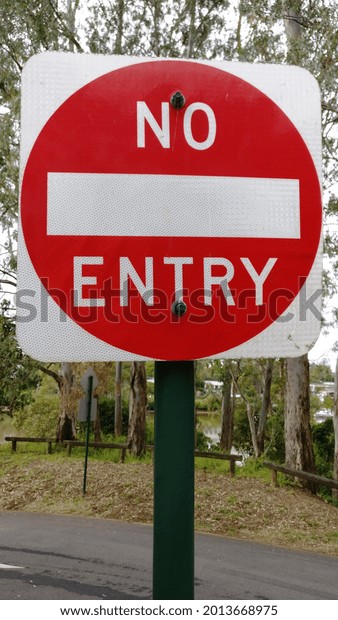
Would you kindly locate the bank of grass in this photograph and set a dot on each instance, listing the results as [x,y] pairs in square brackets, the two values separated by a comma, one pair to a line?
[250,468]
[212,466]
[246,506]
[28,450]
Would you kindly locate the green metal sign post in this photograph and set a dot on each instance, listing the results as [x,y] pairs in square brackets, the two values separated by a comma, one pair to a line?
[87,412]
[173,559]
[89,406]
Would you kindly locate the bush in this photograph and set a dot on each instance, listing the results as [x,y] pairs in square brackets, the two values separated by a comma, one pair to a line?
[274,443]
[150,430]
[323,445]
[202,441]
[106,407]
[211,402]
[241,440]
[39,419]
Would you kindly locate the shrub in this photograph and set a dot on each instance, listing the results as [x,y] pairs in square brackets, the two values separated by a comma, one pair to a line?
[106,407]
[150,430]
[323,445]
[211,402]
[39,418]
[202,441]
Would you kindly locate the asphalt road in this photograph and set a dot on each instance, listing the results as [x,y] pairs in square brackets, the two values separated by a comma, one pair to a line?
[72,558]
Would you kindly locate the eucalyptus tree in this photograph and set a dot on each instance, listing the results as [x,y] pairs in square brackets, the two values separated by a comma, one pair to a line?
[137,409]
[301,21]
[299,32]
[299,451]
[227,411]
[166,28]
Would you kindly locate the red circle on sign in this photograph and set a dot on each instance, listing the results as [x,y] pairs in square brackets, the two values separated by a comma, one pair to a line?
[95,131]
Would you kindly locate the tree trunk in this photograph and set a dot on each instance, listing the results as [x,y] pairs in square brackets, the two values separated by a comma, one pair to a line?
[155,34]
[335,426]
[250,416]
[292,23]
[118,400]
[227,415]
[71,11]
[252,427]
[137,409]
[66,422]
[298,440]
[119,31]
[265,405]
[192,29]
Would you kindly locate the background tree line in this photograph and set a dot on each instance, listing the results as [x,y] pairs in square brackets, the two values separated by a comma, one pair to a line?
[301,32]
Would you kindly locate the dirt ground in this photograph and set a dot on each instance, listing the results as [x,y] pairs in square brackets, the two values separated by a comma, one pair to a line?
[239,507]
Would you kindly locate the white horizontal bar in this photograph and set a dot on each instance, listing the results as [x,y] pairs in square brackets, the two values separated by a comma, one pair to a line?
[172,206]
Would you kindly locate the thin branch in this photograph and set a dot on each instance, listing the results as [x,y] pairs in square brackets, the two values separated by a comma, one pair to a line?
[66,30]
[330,108]
[5,272]
[51,373]
[295,18]
[240,391]
[12,56]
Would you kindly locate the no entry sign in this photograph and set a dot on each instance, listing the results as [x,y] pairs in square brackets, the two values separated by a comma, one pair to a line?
[169,209]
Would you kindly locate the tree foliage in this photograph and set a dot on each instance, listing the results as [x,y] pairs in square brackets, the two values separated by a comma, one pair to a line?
[39,418]
[321,372]
[18,372]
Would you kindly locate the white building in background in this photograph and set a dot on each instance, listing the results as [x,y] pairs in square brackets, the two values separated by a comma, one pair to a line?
[213,386]
[322,390]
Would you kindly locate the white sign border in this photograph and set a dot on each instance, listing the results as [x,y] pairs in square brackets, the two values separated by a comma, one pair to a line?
[48,80]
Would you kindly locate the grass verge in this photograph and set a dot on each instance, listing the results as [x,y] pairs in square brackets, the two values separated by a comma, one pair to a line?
[245,507]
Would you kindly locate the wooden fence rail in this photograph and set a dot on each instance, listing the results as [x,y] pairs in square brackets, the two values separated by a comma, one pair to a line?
[304,475]
[96,444]
[223,457]
[68,444]
[47,440]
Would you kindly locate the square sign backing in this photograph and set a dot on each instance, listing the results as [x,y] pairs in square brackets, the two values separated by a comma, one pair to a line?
[169,209]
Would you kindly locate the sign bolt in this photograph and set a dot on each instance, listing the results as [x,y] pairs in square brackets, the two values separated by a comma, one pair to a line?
[179,308]
[177,100]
